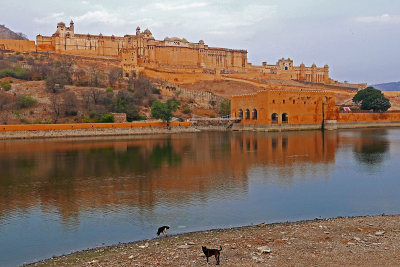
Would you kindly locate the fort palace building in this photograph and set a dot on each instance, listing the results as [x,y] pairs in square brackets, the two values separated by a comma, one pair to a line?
[142,51]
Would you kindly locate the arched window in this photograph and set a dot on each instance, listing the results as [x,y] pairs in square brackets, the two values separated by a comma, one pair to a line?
[247,115]
[240,114]
[285,118]
[274,118]
[254,114]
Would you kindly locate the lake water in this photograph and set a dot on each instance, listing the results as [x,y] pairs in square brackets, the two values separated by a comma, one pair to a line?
[57,196]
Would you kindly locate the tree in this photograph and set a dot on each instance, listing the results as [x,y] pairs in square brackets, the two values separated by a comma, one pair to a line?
[164,111]
[56,107]
[55,84]
[125,103]
[225,108]
[95,94]
[372,98]
[70,104]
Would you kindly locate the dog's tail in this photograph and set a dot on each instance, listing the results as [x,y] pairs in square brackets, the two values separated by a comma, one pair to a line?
[220,248]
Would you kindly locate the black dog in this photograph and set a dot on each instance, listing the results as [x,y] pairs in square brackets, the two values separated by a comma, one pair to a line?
[211,252]
[163,230]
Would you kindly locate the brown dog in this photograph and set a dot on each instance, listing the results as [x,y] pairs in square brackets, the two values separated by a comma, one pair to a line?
[211,252]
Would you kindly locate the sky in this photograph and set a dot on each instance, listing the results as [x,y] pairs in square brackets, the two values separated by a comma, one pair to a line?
[358,39]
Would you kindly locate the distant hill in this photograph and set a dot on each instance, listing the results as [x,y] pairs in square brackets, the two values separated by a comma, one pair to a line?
[6,33]
[394,86]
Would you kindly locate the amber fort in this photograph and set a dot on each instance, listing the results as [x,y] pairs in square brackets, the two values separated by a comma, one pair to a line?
[289,94]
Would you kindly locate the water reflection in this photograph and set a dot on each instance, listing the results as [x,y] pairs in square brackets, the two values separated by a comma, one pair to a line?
[73,176]
[73,189]
[371,147]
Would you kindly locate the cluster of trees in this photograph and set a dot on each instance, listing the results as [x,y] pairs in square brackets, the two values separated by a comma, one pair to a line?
[98,102]
[64,71]
[372,99]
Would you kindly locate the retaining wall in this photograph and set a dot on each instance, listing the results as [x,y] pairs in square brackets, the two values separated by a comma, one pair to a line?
[89,129]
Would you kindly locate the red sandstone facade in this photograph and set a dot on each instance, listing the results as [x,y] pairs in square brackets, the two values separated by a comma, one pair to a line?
[301,107]
[273,107]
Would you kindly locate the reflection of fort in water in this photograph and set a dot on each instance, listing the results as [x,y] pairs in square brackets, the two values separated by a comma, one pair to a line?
[73,176]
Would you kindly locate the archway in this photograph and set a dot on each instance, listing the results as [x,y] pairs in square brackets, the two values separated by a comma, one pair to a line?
[274,118]
[254,114]
[285,118]
[247,115]
[240,114]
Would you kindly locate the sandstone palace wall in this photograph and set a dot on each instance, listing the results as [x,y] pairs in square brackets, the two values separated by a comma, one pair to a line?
[142,51]
[300,107]
[17,45]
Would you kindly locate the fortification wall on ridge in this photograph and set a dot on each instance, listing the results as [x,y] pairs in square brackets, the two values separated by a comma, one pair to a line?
[17,45]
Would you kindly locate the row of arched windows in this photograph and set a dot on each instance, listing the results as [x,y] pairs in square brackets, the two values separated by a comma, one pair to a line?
[247,114]
[253,115]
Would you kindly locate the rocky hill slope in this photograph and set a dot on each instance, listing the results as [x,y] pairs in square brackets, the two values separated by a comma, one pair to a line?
[6,33]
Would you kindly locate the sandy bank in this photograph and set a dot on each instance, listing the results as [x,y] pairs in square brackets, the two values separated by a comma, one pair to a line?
[359,241]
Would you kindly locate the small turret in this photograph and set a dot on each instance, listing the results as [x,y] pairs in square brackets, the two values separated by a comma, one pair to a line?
[138,31]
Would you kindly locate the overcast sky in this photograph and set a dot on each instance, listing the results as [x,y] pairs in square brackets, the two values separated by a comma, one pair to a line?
[359,39]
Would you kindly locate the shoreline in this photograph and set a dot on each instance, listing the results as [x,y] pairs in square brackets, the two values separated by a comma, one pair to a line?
[104,130]
[343,241]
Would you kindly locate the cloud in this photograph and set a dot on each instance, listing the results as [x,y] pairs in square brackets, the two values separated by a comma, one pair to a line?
[99,16]
[50,19]
[174,6]
[385,18]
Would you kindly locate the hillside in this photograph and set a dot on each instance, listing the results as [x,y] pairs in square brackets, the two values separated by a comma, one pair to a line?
[393,86]
[6,33]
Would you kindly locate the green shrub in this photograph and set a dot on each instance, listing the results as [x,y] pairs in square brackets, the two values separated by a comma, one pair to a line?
[107,118]
[109,90]
[26,101]
[5,85]
[17,72]
[141,117]
[186,109]
[37,122]
[86,119]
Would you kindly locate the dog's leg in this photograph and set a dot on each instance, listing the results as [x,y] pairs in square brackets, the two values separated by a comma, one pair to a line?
[217,258]
[166,232]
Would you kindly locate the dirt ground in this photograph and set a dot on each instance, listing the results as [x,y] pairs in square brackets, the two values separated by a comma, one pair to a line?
[359,241]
